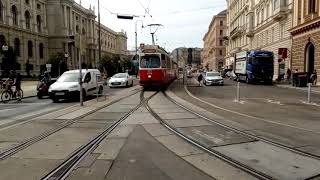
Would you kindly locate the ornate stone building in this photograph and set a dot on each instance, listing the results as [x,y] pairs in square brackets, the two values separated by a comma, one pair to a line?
[214,50]
[260,25]
[23,27]
[268,24]
[306,36]
[38,29]
[180,55]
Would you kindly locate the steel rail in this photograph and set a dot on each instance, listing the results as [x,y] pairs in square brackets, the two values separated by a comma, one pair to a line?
[28,142]
[63,170]
[237,164]
[268,141]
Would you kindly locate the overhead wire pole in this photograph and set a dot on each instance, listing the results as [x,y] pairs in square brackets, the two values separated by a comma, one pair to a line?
[99,36]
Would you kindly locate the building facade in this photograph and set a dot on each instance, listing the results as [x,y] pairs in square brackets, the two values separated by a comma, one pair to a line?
[236,40]
[260,25]
[306,36]
[23,27]
[181,54]
[214,50]
[267,27]
[38,29]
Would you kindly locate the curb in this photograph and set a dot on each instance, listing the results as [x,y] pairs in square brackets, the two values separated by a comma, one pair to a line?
[296,88]
[27,97]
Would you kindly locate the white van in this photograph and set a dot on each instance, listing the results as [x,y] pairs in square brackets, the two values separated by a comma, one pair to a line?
[67,85]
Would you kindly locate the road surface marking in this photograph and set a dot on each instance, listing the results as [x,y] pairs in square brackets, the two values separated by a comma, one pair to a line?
[246,115]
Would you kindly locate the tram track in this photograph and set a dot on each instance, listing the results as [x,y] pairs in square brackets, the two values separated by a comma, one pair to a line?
[28,142]
[63,170]
[240,165]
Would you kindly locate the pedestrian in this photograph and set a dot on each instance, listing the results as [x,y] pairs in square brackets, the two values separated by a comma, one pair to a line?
[200,77]
[314,78]
[288,75]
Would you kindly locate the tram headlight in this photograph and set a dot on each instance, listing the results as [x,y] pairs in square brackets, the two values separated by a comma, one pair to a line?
[149,76]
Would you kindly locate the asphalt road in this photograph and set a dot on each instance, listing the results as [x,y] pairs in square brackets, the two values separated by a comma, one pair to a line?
[272,112]
[28,108]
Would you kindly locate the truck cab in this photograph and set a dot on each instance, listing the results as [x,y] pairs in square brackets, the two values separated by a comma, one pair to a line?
[254,66]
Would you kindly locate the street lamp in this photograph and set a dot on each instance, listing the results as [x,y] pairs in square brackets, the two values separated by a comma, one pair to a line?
[5,47]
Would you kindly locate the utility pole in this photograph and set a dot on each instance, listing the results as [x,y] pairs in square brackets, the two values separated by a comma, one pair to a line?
[99,36]
[80,72]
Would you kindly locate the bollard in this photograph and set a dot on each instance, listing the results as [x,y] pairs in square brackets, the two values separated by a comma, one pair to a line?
[238,92]
[309,93]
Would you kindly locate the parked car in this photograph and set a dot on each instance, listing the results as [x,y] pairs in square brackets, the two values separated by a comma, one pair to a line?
[213,78]
[120,80]
[67,85]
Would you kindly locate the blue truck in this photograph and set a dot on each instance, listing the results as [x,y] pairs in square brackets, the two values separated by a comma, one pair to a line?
[254,66]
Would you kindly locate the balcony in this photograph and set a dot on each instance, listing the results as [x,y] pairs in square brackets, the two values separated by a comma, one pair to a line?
[236,32]
[250,25]
[280,13]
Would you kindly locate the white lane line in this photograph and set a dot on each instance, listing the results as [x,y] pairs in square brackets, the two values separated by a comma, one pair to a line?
[274,102]
[246,115]
[312,104]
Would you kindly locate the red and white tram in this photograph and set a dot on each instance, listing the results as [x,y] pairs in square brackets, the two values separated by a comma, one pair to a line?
[156,68]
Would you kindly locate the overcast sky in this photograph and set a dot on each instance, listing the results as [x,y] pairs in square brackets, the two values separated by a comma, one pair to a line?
[184,21]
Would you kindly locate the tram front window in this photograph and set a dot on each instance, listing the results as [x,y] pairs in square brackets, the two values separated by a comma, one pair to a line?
[150,62]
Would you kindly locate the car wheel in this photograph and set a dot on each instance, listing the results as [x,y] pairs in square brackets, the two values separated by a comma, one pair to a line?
[55,99]
[127,84]
[247,80]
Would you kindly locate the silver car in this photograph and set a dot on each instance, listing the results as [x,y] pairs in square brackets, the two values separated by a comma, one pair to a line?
[212,78]
[120,80]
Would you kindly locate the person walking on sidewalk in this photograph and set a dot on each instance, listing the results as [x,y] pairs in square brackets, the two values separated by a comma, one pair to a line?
[314,77]
[288,75]
[200,77]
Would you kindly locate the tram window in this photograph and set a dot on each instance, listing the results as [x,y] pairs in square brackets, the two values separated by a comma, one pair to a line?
[150,62]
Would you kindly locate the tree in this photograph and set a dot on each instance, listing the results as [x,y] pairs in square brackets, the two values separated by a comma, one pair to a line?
[9,61]
[57,61]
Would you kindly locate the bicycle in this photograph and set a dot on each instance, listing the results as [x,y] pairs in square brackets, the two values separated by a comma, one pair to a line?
[9,94]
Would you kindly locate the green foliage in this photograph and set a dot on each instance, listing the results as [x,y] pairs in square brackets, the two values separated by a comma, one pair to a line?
[57,60]
[110,63]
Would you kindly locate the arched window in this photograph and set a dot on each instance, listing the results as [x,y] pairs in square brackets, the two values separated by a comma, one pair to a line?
[41,50]
[39,23]
[2,41]
[17,46]
[77,28]
[14,14]
[312,6]
[1,12]
[28,19]
[27,1]
[83,31]
[30,48]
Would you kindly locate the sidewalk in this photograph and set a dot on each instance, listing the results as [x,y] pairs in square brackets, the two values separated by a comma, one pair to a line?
[315,89]
[29,88]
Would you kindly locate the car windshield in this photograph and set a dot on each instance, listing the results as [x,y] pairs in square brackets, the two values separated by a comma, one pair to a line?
[69,77]
[120,76]
[213,74]
[152,61]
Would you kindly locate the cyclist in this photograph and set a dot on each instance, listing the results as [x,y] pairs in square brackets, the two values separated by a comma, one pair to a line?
[8,83]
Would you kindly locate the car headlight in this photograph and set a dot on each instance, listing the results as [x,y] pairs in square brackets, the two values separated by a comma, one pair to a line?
[50,89]
[123,80]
